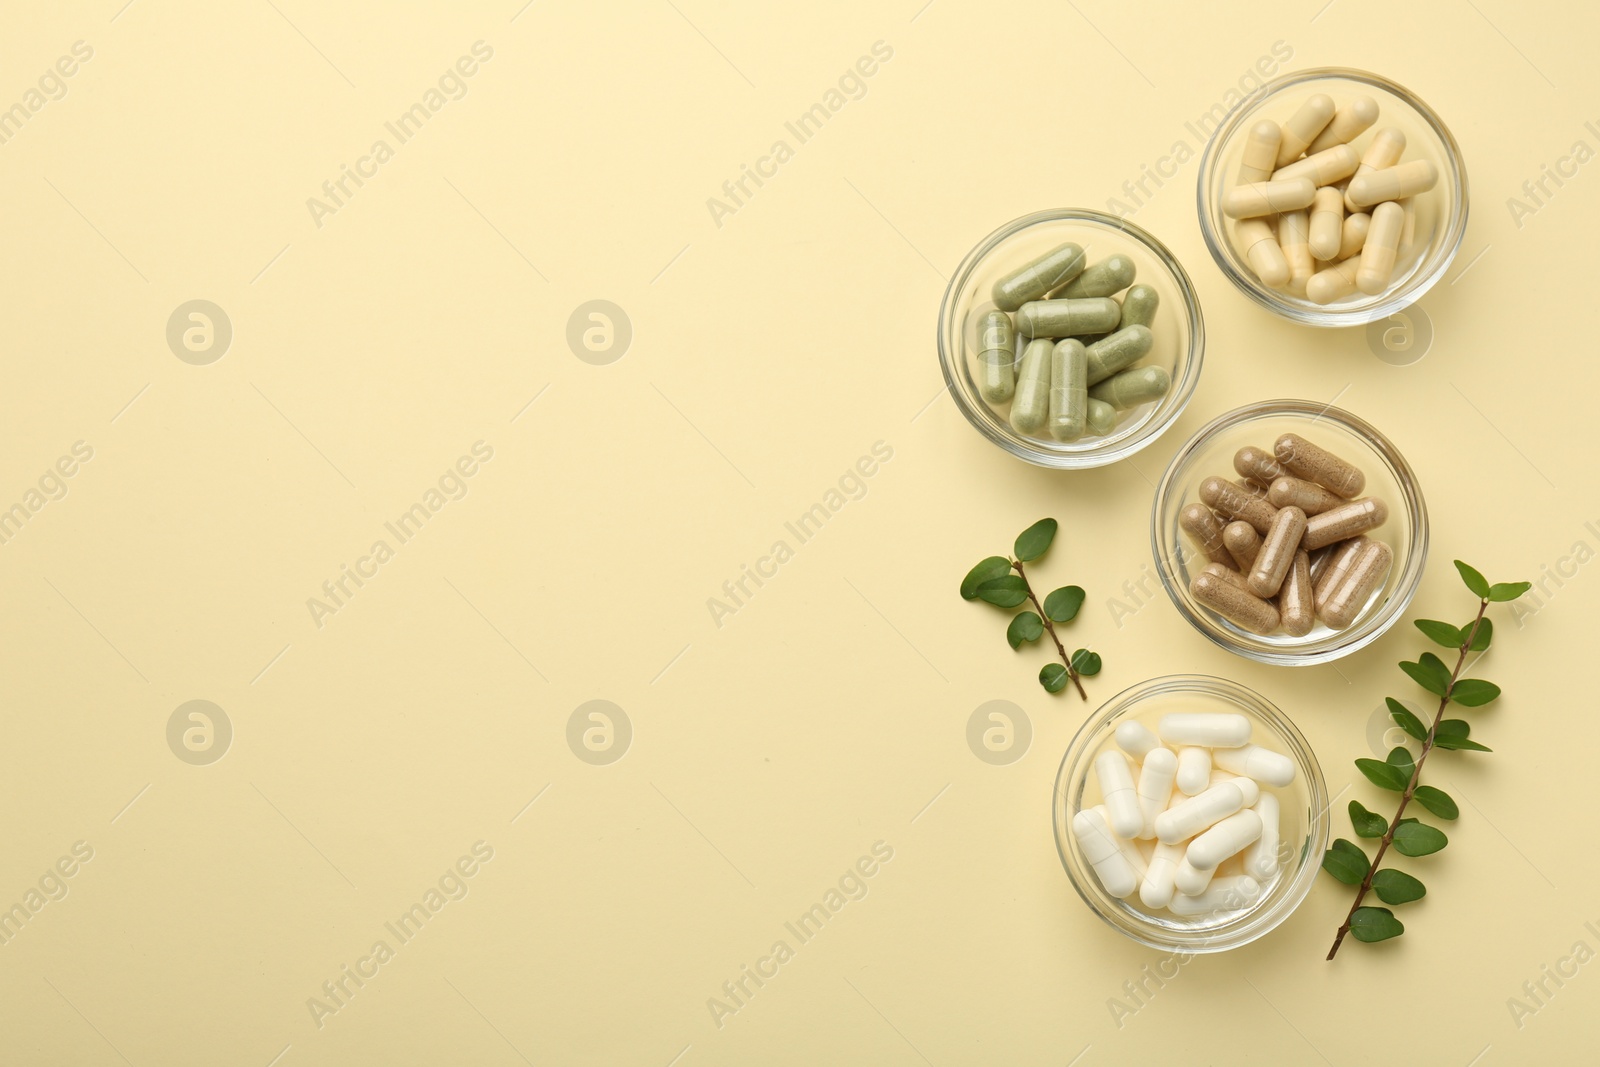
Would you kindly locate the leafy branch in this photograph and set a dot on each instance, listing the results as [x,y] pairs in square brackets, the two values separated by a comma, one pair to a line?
[993,582]
[1401,773]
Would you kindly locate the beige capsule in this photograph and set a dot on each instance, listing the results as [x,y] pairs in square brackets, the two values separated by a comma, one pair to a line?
[1294,237]
[1278,547]
[1260,155]
[1366,575]
[1383,244]
[1242,543]
[1387,146]
[1392,183]
[1309,497]
[1408,232]
[1205,531]
[1304,126]
[1346,520]
[1351,120]
[1238,605]
[1263,198]
[1306,460]
[1297,607]
[1335,563]
[1333,283]
[1257,467]
[1326,235]
[1234,501]
[1354,233]
[1333,165]
[1227,574]
[1261,251]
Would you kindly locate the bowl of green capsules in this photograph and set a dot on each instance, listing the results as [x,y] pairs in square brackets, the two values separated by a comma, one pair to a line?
[1071,338]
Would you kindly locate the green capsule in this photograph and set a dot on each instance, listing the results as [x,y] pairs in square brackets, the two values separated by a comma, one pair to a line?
[1118,351]
[997,357]
[1051,270]
[1133,387]
[1111,275]
[1102,417]
[1069,389]
[1032,403]
[1067,318]
[1139,306]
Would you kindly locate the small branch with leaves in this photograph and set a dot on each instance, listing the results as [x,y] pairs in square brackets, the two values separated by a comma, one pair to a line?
[993,582]
[1402,773]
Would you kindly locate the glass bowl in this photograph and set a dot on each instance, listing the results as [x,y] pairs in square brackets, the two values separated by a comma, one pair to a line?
[1441,212]
[1178,328]
[1303,813]
[1210,452]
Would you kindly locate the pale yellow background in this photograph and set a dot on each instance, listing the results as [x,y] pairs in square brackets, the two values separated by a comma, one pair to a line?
[768,354]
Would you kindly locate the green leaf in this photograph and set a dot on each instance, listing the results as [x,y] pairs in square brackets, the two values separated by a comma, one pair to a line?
[1418,839]
[1436,801]
[993,567]
[1429,672]
[1366,823]
[1374,924]
[1474,692]
[1086,663]
[1005,592]
[1032,542]
[1408,722]
[1475,581]
[1400,759]
[1346,862]
[1501,592]
[1383,775]
[1480,637]
[1397,887]
[1053,676]
[1441,633]
[1453,734]
[1062,604]
[1024,628]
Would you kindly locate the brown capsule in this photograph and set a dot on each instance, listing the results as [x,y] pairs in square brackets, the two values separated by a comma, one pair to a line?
[1231,602]
[1256,467]
[1242,543]
[1309,497]
[1366,574]
[1277,552]
[1227,574]
[1205,531]
[1346,520]
[1236,502]
[1336,563]
[1306,460]
[1297,607]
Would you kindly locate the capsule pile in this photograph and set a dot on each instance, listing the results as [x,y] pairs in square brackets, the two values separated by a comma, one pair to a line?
[1287,542]
[1061,350]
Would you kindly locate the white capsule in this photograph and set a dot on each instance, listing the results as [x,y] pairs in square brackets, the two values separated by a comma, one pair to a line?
[1253,761]
[1116,790]
[1135,738]
[1189,817]
[1155,786]
[1193,775]
[1248,786]
[1189,879]
[1223,894]
[1226,838]
[1116,874]
[1157,887]
[1217,729]
[1261,858]
[1129,849]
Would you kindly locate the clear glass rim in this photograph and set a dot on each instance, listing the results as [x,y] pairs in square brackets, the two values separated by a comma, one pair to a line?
[1259,921]
[1346,641]
[950,355]
[1415,287]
